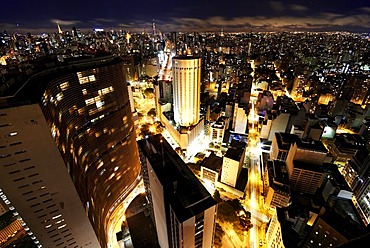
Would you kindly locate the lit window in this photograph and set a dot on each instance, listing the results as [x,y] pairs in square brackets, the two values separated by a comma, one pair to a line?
[56,216]
[64,86]
[100,165]
[99,104]
[83,80]
[13,134]
[89,101]
[79,151]
[59,221]
[111,176]
[92,78]
[60,227]
[81,111]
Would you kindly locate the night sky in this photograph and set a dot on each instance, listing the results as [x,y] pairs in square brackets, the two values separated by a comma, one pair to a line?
[186,15]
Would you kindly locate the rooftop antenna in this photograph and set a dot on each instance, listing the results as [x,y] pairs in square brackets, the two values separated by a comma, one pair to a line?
[163,163]
[59,29]
[128,36]
[154,31]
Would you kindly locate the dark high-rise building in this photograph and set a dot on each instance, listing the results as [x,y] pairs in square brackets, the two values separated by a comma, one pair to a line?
[67,150]
[183,211]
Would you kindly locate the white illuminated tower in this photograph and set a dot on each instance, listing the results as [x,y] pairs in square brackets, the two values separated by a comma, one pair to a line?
[59,29]
[186,89]
[154,31]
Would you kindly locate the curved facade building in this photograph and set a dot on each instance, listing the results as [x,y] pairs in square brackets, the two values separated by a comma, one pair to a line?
[86,107]
[186,90]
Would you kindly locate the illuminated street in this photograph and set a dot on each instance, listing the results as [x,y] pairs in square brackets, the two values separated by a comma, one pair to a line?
[201,143]
[118,214]
[254,200]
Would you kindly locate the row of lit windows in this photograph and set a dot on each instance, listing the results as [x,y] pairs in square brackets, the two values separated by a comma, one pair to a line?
[64,86]
[85,79]
[187,68]
[19,218]
[105,90]
[100,92]
[209,175]
[35,195]
[96,100]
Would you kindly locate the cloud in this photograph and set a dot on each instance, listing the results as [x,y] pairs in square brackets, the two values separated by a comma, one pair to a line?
[65,22]
[105,20]
[6,26]
[323,21]
[297,7]
[277,6]
[330,16]
[365,9]
[353,20]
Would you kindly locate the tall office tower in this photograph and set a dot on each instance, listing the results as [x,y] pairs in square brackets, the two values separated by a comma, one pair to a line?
[174,41]
[59,29]
[186,89]
[183,211]
[68,150]
[363,201]
[153,28]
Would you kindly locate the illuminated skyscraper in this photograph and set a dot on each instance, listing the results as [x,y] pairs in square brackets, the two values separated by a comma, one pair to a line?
[186,89]
[59,29]
[153,27]
[68,150]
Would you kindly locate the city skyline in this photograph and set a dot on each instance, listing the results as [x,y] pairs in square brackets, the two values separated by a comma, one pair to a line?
[203,16]
[276,127]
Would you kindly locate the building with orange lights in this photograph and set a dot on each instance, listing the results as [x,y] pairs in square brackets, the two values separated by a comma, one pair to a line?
[68,151]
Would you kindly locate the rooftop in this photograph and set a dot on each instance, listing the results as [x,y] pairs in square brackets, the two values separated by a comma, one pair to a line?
[284,140]
[341,214]
[314,145]
[213,162]
[234,153]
